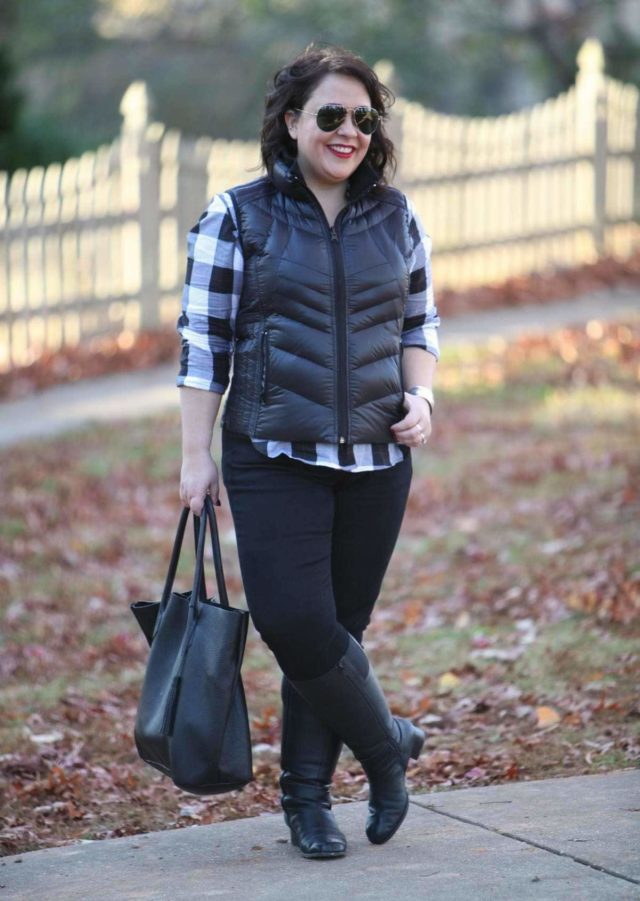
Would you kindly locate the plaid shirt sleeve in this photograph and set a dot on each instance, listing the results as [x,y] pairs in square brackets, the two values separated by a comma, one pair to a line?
[210,298]
[421,318]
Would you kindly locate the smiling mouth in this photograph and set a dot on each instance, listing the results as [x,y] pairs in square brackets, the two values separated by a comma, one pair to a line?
[341,150]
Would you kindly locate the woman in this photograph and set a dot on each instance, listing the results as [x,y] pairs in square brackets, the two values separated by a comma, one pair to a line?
[317,277]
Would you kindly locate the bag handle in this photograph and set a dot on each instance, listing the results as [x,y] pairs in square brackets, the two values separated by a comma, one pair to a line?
[217,554]
[203,583]
[198,576]
[199,535]
[175,557]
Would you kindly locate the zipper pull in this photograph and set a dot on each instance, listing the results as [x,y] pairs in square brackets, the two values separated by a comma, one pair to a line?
[334,234]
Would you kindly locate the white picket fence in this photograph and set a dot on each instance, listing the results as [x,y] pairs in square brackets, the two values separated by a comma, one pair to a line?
[96,246]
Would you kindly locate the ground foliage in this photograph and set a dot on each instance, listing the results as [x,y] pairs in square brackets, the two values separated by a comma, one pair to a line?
[508,625]
[125,352]
[94,358]
[543,287]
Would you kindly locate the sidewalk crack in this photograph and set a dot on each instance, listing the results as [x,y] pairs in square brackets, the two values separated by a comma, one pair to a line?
[528,841]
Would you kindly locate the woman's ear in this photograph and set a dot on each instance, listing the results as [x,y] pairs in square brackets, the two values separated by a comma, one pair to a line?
[291,121]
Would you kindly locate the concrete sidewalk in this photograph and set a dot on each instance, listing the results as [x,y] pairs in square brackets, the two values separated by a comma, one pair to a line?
[565,839]
[132,395]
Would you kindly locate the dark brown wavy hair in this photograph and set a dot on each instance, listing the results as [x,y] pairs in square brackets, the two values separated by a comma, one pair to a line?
[294,84]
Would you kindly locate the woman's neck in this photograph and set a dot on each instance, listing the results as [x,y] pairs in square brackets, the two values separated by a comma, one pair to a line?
[332,199]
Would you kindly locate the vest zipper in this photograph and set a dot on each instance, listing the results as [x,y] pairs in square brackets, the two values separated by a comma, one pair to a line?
[342,336]
[342,324]
[264,382]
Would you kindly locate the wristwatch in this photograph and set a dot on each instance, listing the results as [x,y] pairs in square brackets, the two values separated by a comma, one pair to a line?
[424,392]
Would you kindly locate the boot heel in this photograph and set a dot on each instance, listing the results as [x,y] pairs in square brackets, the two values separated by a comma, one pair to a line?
[417,742]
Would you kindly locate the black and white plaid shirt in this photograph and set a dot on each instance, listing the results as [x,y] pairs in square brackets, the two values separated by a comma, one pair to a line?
[210,299]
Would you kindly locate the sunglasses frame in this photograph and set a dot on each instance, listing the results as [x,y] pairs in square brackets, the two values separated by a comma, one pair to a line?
[344,112]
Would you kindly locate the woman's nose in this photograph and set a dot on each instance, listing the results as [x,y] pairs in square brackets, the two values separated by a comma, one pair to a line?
[348,128]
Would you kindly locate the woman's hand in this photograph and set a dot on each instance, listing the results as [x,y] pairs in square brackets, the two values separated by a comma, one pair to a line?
[198,477]
[415,428]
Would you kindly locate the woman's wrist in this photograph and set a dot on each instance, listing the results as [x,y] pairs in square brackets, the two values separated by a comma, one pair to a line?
[196,453]
[426,393]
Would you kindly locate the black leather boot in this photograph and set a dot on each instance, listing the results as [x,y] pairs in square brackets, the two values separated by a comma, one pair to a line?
[350,701]
[310,752]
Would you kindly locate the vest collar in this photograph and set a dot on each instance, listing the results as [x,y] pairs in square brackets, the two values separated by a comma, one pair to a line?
[287,178]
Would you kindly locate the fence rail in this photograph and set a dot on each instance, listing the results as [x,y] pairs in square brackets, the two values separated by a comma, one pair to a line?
[96,246]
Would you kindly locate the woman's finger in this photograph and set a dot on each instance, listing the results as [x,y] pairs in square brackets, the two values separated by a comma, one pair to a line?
[407,430]
[403,424]
[406,424]
[196,504]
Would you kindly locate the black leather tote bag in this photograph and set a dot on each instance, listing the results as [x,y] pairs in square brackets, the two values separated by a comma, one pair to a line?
[192,722]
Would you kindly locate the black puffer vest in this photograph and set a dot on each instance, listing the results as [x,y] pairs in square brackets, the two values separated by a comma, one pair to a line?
[317,353]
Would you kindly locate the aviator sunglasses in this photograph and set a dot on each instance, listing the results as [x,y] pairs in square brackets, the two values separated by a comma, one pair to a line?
[331,116]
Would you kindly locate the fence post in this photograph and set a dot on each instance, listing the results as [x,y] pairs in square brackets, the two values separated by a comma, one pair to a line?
[591,110]
[140,162]
[635,162]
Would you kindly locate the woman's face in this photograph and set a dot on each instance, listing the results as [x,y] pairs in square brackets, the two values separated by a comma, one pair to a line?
[328,158]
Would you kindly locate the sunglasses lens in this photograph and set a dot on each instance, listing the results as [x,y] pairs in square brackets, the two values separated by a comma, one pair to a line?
[330,117]
[366,119]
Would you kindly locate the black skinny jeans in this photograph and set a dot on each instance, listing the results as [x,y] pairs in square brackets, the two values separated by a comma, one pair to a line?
[314,544]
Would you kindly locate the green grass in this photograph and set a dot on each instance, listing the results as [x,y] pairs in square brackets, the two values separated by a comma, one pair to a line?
[573,653]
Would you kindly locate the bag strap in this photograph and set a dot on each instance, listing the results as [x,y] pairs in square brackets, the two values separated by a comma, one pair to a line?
[175,557]
[203,583]
[199,535]
[217,553]
[198,572]
[198,577]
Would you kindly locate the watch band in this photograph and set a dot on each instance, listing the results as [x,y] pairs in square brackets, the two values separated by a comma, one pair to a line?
[425,393]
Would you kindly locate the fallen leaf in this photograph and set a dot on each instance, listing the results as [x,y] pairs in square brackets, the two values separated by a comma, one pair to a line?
[547,716]
[73,811]
[475,772]
[505,654]
[448,681]
[432,719]
[46,738]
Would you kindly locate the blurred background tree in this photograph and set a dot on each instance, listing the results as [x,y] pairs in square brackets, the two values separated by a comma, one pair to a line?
[31,133]
[64,64]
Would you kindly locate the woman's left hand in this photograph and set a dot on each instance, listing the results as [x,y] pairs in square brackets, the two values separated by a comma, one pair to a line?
[415,428]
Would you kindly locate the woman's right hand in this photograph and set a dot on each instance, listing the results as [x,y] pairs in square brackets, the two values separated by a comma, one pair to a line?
[199,477]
